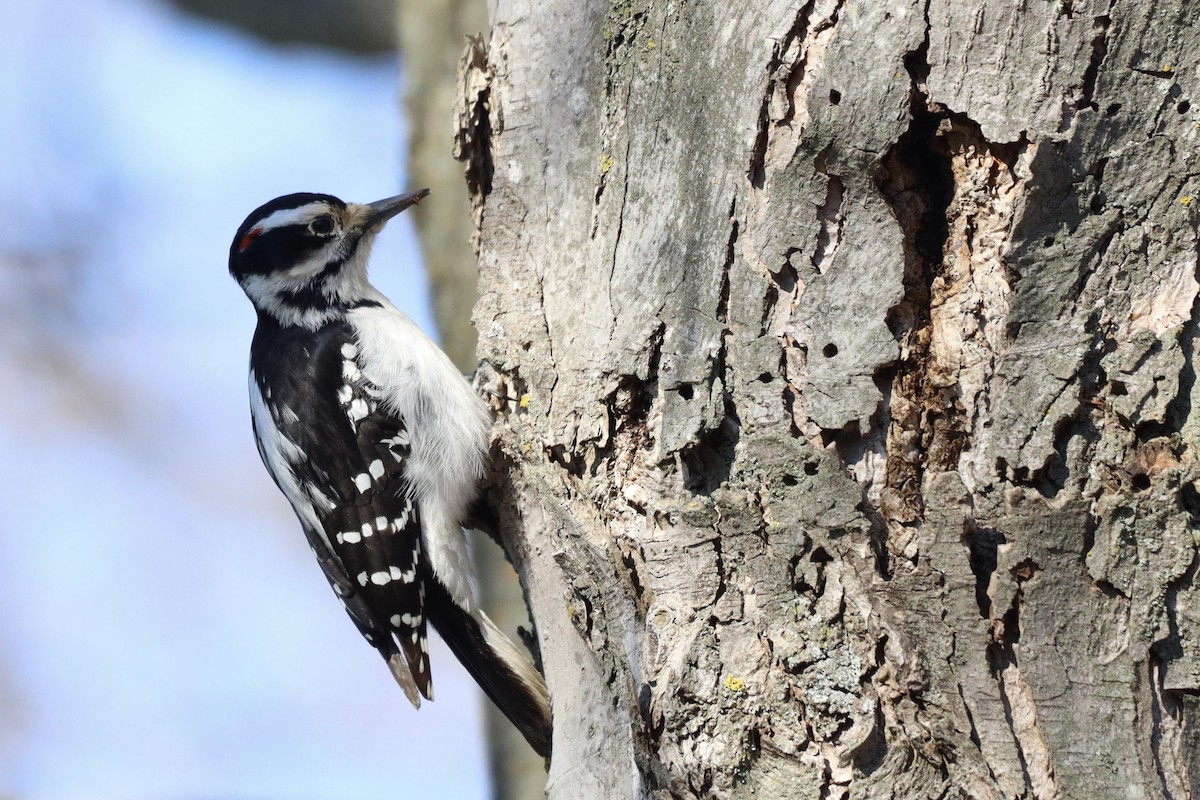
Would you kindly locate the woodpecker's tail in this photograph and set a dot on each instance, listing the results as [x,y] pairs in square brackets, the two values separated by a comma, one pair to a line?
[501,668]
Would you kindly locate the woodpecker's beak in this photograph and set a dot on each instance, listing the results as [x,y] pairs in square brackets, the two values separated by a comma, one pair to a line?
[379,212]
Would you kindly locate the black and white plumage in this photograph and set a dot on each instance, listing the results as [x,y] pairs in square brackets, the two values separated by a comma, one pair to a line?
[378,443]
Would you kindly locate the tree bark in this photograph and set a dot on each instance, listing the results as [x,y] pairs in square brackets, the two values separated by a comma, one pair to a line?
[853,353]
[431,35]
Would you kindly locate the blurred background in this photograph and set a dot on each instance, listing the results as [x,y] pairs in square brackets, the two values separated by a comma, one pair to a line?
[164,631]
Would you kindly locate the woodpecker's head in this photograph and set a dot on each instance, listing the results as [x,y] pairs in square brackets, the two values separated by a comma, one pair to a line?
[302,258]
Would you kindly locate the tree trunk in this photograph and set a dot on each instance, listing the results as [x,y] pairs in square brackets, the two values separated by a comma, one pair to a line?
[431,34]
[853,346]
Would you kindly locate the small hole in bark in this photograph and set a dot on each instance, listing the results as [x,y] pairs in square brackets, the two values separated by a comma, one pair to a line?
[526,345]
[1097,204]
[789,480]
[1118,389]
[835,97]
[685,391]
[820,556]
[1026,570]
[1113,109]
[766,377]
[1141,481]
[1183,106]
[1049,240]
[810,468]
[830,350]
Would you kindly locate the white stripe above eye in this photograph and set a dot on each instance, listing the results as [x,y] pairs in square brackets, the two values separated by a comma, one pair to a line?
[294,216]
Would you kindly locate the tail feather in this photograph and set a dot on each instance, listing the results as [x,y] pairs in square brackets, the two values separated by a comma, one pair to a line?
[398,664]
[500,667]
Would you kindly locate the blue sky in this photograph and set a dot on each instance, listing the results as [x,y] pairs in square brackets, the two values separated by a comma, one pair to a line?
[164,631]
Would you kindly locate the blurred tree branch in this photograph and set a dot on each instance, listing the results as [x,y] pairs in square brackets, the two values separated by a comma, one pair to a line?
[431,36]
[360,26]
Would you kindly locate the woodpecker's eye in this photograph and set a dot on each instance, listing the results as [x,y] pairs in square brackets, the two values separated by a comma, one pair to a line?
[321,226]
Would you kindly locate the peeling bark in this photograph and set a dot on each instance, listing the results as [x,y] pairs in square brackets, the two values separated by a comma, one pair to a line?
[851,350]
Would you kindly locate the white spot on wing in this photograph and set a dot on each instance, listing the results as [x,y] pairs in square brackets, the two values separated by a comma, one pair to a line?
[376,469]
[380,578]
[362,579]
[363,481]
[349,350]
[349,537]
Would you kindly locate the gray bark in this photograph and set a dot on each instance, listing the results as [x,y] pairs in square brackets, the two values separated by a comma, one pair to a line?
[431,35]
[854,353]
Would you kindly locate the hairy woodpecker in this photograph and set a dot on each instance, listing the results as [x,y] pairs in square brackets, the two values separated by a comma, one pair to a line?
[378,443]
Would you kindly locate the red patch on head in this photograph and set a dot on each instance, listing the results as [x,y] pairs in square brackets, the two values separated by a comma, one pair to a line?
[250,236]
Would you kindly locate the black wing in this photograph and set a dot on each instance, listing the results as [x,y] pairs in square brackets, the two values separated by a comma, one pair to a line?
[351,471]
[375,531]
